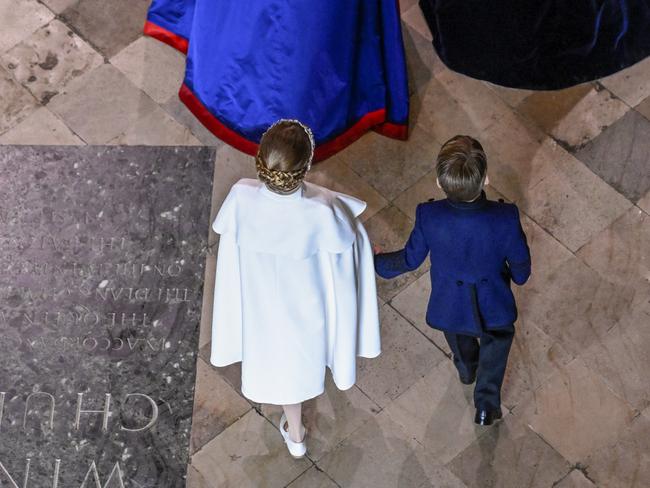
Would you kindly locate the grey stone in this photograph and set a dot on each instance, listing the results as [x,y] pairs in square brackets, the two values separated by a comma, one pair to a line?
[100,290]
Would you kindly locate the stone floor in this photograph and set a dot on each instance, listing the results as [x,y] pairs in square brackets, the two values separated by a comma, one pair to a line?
[575,161]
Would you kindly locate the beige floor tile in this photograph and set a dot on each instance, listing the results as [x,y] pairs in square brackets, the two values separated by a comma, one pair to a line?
[18,19]
[381,455]
[574,115]
[621,252]
[517,152]
[230,166]
[336,175]
[571,202]
[16,103]
[154,67]
[644,108]
[156,128]
[183,116]
[248,454]
[622,359]
[575,479]
[205,332]
[405,5]
[412,303]
[196,480]
[512,96]
[631,85]
[391,166]
[313,478]
[644,203]
[422,61]
[41,127]
[58,6]
[575,412]
[625,461]
[216,406]
[331,417]
[415,19]
[438,411]
[389,229]
[99,119]
[49,59]
[509,455]
[406,357]
[534,358]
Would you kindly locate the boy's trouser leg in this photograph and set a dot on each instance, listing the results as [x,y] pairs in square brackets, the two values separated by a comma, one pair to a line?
[493,358]
[466,353]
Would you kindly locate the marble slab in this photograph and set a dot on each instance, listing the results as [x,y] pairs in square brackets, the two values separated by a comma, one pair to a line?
[102,255]
[41,127]
[19,18]
[16,103]
[621,155]
[631,84]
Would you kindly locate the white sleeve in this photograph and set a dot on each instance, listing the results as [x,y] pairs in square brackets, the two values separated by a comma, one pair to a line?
[368,329]
[227,311]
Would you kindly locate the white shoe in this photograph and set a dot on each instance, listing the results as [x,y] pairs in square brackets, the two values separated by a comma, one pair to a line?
[296,449]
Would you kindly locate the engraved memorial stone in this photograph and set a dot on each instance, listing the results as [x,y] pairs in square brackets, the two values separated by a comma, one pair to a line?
[102,253]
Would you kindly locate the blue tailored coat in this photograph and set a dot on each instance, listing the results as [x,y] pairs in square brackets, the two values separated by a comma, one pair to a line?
[476,249]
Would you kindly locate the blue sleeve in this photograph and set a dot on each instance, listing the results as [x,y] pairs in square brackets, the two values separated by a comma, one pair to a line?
[392,264]
[518,254]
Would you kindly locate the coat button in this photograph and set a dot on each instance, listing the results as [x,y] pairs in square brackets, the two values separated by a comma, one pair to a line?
[459,283]
[501,200]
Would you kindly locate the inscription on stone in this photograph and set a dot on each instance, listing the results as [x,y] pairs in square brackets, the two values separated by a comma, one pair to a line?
[102,253]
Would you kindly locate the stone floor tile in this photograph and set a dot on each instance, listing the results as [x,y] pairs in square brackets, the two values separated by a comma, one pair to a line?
[631,84]
[575,412]
[576,115]
[49,59]
[415,19]
[216,406]
[621,358]
[58,6]
[624,461]
[231,165]
[99,119]
[154,67]
[644,203]
[336,175]
[512,96]
[313,478]
[41,127]
[381,455]
[575,479]
[389,229]
[18,19]
[405,5]
[621,252]
[391,166]
[422,61]
[644,108]
[406,357]
[195,479]
[534,358]
[571,202]
[16,103]
[109,26]
[248,454]
[517,152]
[183,116]
[509,455]
[156,128]
[205,332]
[621,155]
[330,417]
[438,411]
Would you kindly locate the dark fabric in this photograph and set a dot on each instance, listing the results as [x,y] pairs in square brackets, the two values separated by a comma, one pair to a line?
[539,44]
[487,358]
[475,250]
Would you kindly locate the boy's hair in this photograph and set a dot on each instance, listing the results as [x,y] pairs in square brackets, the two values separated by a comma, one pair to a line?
[461,168]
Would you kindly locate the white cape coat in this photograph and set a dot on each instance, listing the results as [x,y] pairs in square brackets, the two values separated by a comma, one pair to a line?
[295,291]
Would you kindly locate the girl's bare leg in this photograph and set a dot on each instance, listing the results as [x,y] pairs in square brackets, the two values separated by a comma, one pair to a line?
[294,419]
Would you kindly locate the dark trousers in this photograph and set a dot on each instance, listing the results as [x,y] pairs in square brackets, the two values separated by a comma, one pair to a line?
[486,357]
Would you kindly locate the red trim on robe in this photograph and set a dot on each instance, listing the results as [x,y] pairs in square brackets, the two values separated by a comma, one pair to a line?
[374,119]
[166,36]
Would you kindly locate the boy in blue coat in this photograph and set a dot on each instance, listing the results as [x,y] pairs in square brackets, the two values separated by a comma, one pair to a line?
[476,247]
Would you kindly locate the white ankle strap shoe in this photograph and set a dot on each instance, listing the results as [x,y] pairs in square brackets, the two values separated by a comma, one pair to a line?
[296,449]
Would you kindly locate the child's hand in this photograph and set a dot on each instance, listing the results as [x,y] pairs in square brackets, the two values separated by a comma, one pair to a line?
[376,249]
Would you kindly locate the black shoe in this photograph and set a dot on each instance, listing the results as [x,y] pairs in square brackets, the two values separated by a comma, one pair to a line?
[487,417]
[467,380]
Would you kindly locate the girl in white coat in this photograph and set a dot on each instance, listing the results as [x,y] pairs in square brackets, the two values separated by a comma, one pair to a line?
[295,285]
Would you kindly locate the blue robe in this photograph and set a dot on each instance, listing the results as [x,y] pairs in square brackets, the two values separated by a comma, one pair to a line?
[337,66]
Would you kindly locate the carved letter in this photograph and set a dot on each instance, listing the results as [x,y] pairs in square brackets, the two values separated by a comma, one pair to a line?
[52,404]
[11,480]
[2,406]
[106,411]
[154,413]
[57,467]
[93,469]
